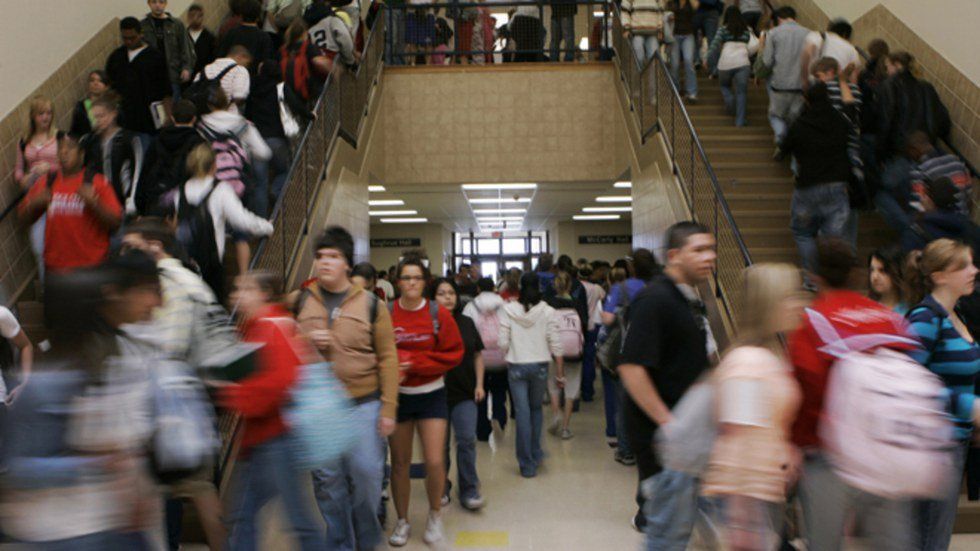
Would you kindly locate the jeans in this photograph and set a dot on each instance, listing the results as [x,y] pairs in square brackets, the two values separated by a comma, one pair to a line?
[671,509]
[527,388]
[103,541]
[784,108]
[734,90]
[563,28]
[270,176]
[348,491]
[705,26]
[610,401]
[645,46]
[818,210]
[495,383]
[37,243]
[268,472]
[397,37]
[933,519]
[828,502]
[588,365]
[623,444]
[895,193]
[684,48]
[462,417]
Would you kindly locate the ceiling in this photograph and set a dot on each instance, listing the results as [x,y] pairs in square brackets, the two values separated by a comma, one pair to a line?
[551,202]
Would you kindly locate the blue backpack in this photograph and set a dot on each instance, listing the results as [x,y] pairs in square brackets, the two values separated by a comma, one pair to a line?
[320,417]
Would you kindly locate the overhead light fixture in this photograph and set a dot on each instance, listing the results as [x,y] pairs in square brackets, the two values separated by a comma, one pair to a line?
[385,202]
[499,219]
[376,189]
[472,187]
[607,209]
[495,200]
[614,199]
[392,212]
[403,220]
[623,185]
[596,217]
[499,211]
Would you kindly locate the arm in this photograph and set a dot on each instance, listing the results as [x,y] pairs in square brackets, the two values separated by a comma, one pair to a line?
[255,143]
[610,304]
[34,204]
[187,52]
[503,336]
[446,354]
[345,41]
[19,175]
[480,371]
[387,354]
[554,340]
[238,216]
[809,49]
[263,393]
[768,50]
[641,389]
[100,200]
[643,349]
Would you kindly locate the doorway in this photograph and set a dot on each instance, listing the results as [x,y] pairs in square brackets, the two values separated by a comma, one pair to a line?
[498,251]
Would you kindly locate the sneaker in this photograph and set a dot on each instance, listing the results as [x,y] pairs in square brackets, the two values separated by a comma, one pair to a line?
[529,473]
[496,427]
[625,458]
[446,500]
[612,442]
[433,528]
[399,537]
[638,522]
[693,100]
[566,434]
[474,503]
[554,426]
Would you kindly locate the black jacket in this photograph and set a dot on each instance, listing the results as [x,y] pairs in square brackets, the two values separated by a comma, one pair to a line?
[255,40]
[818,139]
[165,167]
[80,123]
[125,161]
[262,106]
[140,83]
[906,104]
[204,49]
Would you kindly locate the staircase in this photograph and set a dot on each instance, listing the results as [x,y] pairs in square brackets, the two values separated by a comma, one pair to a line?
[757,188]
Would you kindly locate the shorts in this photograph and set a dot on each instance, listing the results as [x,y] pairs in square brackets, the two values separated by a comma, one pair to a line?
[415,407]
[573,380]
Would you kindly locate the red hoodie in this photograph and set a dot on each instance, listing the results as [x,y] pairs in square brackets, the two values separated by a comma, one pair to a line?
[431,357]
[260,396]
[860,323]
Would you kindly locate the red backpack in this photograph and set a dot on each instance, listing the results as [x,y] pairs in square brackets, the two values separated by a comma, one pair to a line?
[296,69]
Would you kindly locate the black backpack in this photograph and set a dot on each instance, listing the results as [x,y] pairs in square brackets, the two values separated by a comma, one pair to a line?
[200,90]
[608,353]
[195,232]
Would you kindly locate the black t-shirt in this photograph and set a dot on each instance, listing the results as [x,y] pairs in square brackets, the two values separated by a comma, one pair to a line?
[664,337]
[161,36]
[255,40]
[332,301]
[461,380]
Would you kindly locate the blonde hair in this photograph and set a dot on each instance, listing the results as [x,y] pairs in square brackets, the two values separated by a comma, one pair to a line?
[938,256]
[39,104]
[563,283]
[200,161]
[617,275]
[765,286]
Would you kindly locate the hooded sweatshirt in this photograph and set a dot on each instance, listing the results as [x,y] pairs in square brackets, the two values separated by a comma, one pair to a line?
[227,122]
[165,165]
[484,302]
[818,139]
[529,336]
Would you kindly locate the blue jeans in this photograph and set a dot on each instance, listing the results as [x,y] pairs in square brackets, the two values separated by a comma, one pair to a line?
[735,90]
[784,108]
[588,365]
[103,541]
[684,49]
[705,26]
[495,383]
[610,401]
[527,388]
[933,519]
[894,195]
[269,472]
[818,210]
[563,28]
[645,46]
[348,491]
[270,176]
[462,417]
[396,37]
[671,509]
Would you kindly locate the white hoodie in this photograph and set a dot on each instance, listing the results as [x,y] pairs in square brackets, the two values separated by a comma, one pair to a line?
[233,123]
[226,209]
[484,302]
[529,337]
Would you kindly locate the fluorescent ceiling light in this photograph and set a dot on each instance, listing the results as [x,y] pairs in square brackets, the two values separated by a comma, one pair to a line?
[596,217]
[607,209]
[623,185]
[499,211]
[614,199]
[392,212]
[495,200]
[499,219]
[597,14]
[403,220]
[498,186]
[386,202]
[376,189]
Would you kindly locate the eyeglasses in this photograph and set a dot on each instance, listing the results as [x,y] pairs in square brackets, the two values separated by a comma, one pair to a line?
[409,279]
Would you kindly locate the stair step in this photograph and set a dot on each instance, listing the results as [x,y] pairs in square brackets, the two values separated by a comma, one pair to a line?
[750,170]
[756,154]
[746,202]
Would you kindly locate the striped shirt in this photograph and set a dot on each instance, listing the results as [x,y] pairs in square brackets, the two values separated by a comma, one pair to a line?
[946,353]
[935,165]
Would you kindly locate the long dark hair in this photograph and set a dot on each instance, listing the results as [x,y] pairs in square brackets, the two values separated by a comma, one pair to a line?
[530,294]
[434,288]
[734,22]
[893,261]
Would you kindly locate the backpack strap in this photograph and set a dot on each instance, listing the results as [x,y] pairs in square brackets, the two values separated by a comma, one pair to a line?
[225,71]
[434,313]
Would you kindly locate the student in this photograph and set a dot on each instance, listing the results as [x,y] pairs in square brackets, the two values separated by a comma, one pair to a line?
[946,273]
[886,280]
[352,329]
[594,295]
[264,469]
[429,345]
[751,12]
[529,333]
[330,34]
[82,211]
[82,118]
[931,164]
[139,73]
[248,34]
[753,460]
[386,287]
[165,166]
[706,19]
[570,380]
[205,44]
[464,389]
[644,21]
[236,81]
[546,272]
[684,47]
[510,287]
[563,29]
[167,35]
[37,156]
[363,274]
[835,43]
[665,350]
[734,44]
[304,67]
[781,53]
[114,152]
[486,310]
[11,331]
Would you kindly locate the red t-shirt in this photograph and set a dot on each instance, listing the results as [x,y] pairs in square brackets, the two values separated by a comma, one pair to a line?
[73,236]
[431,356]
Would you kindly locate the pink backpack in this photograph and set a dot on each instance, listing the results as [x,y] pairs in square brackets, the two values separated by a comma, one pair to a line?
[488,325]
[570,333]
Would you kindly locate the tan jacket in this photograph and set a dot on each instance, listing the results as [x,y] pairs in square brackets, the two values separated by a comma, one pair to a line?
[362,350]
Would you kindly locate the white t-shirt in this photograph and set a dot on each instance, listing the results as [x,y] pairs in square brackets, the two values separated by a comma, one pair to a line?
[843,51]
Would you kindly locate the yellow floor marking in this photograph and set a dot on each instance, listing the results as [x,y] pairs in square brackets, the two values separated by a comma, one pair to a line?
[482,539]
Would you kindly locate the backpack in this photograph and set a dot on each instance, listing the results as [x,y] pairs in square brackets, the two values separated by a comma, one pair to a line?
[608,352]
[488,325]
[687,447]
[231,160]
[570,333]
[195,232]
[296,69]
[201,89]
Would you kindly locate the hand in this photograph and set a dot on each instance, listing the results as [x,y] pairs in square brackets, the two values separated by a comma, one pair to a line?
[480,394]
[88,195]
[41,168]
[845,75]
[386,426]
[321,338]
[185,75]
[560,381]
[12,395]
[43,198]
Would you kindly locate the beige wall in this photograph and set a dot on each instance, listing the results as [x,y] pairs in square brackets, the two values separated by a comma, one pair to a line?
[436,240]
[569,232]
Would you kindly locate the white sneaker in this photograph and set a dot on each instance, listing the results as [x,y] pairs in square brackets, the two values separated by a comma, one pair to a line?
[554,426]
[473,503]
[399,536]
[433,528]
[446,500]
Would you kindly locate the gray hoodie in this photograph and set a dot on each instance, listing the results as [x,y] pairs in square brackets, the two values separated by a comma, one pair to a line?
[529,337]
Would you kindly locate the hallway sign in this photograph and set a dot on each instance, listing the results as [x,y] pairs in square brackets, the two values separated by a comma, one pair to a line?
[605,239]
[397,242]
